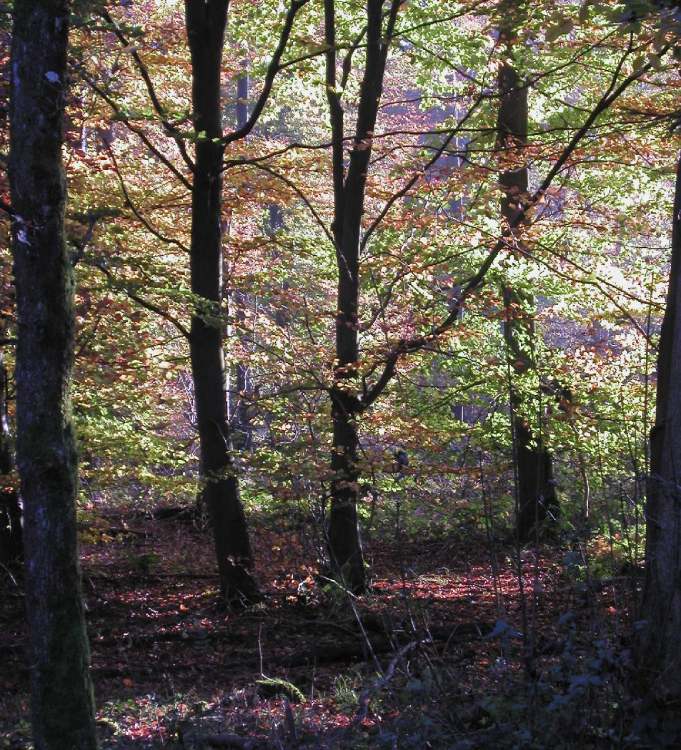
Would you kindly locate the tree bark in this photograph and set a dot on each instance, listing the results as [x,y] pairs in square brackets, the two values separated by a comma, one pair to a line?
[658,651]
[345,546]
[537,502]
[61,690]
[205,32]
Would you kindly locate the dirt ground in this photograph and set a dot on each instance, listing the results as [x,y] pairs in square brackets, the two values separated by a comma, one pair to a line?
[450,634]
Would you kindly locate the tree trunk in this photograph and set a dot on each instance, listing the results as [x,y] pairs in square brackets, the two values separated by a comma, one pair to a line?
[240,418]
[658,646]
[205,32]
[61,690]
[10,510]
[344,537]
[537,502]
[345,547]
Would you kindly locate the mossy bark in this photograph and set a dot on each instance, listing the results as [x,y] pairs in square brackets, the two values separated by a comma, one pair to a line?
[62,700]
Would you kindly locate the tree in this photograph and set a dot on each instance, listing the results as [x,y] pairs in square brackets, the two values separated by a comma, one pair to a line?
[357,385]
[62,698]
[401,273]
[206,23]
[205,32]
[238,400]
[348,194]
[10,510]
[658,653]
[535,487]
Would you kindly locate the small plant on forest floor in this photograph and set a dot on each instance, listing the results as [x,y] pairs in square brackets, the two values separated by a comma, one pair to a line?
[345,693]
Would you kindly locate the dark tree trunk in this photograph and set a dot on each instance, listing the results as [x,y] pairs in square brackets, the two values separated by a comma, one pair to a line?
[536,494]
[205,31]
[538,506]
[658,651]
[10,510]
[62,700]
[349,189]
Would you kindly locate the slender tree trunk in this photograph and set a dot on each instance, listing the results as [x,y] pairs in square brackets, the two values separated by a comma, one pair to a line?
[349,190]
[536,493]
[10,510]
[344,537]
[240,419]
[659,641]
[62,699]
[205,31]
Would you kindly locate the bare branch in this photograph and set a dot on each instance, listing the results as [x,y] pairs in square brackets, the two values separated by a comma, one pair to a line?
[272,69]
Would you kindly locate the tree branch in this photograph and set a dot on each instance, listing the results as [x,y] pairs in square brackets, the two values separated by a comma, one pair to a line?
[138,214]
[272,69]
[300,194]
[406,346]
[134,129]
[146,304]
[169,128]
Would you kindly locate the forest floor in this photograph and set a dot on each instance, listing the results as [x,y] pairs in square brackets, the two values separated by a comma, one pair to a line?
[453,647]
